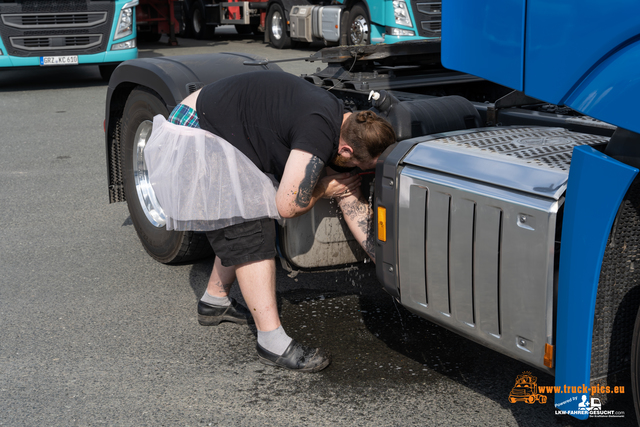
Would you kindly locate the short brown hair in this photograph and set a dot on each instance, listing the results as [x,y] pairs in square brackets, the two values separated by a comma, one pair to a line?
[368,134]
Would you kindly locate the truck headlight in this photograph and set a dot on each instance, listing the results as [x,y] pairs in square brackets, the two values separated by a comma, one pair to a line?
[129,44]
[392,31]
[124,26]
[401,13]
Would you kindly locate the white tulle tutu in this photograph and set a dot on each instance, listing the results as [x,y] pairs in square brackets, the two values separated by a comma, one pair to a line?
[202,182]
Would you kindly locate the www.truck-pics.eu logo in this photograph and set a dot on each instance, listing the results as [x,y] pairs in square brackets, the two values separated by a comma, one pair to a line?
[526,390]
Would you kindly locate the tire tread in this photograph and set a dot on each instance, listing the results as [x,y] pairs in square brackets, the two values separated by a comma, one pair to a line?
[189,246]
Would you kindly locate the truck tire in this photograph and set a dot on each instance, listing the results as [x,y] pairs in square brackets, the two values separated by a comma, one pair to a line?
[168,247]
[277,27]
[359,27]
[617,300]
[635,366]
[186,29]
[198,20]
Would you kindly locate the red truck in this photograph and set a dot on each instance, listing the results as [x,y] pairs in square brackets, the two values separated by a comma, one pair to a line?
[195,18]
[157,17]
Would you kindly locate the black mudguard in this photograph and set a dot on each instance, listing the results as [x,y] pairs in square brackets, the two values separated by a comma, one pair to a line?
[172,78]
[169,77]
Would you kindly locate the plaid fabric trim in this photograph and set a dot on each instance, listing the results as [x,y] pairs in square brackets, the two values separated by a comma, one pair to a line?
[184,116]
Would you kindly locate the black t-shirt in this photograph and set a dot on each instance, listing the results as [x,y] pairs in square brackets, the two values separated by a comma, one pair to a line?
[266,114]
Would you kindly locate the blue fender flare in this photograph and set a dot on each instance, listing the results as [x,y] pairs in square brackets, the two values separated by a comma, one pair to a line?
[596,187]
[610,91]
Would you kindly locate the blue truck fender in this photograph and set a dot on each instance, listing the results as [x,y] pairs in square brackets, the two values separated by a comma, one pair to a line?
[584,237]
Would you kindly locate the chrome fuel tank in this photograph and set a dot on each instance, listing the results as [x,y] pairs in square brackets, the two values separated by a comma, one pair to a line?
[474,232]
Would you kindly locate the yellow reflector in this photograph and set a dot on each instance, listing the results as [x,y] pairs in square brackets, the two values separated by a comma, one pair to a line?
[548,355]
[382,224]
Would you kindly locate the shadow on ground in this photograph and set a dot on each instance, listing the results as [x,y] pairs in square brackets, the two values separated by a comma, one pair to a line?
[376,343]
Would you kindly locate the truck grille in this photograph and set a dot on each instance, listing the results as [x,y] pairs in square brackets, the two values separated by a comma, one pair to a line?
[52,20]
[428,16]
[57,42]
[58,27]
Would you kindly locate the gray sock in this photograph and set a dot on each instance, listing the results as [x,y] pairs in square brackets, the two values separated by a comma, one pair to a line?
[217,301]
[275,341]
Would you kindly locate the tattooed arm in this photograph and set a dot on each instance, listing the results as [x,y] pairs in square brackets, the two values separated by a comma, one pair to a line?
[299,189]
[359,218]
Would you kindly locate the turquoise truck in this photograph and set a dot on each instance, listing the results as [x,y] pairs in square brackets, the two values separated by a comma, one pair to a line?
[342,22]
[65,33]
[352,22]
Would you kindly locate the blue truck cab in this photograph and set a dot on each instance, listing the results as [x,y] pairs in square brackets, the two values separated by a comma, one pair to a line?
[594,73]
[57,33]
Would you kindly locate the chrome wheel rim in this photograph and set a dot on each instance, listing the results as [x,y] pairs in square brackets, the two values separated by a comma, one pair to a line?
[146,196]
[276,25]
[197,21]
[359,30]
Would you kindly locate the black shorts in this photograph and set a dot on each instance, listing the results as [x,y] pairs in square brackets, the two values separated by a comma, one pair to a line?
[245,242]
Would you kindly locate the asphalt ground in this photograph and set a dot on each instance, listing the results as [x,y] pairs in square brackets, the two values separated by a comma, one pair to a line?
[95,332]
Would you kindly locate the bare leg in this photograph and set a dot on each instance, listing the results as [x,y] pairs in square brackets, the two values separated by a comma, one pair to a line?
[257,282]
[215,306]
[221,279]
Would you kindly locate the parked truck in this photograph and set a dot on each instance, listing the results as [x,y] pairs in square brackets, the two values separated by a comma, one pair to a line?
[508,211]
[354,22]
[591,330]
[351,22]
[41,33]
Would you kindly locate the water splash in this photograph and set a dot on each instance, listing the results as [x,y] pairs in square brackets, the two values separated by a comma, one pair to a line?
[404,331]
[372,189]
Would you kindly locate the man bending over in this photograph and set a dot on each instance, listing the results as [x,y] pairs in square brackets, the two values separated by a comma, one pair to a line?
[292,131]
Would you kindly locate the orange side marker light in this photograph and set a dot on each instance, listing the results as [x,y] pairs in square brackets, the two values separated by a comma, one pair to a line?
[382,224]
[548,355]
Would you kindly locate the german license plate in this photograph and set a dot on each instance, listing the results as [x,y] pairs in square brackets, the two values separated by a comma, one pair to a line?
[59,60]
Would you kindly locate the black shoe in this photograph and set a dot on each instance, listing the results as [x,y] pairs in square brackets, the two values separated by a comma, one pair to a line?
[211,315]
[296,357]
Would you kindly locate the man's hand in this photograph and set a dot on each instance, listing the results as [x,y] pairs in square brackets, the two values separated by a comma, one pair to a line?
[339,185]
[359,218]
[301,187]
